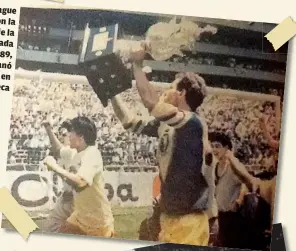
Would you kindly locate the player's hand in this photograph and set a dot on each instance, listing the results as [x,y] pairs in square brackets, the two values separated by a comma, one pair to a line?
[51,163]
[229,155]
[137,55]
[46,124]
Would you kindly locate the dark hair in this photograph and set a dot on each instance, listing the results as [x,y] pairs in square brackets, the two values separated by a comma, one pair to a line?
[222,138]
[66,124]
[194,96]
[85,127]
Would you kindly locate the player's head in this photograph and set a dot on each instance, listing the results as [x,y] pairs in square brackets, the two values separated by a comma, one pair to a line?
[220,143]
[83,133]
[64,131]
[188,88]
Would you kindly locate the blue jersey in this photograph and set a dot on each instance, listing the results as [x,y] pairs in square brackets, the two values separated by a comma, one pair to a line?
[181,157]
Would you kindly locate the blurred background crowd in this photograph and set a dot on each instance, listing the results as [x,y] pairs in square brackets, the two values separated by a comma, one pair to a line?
[35,101]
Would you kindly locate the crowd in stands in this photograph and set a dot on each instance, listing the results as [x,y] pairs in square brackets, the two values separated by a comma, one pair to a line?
[34,102]
[231,62]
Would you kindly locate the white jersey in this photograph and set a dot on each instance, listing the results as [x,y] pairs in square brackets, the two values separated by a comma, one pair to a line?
[92,209]
[64,161]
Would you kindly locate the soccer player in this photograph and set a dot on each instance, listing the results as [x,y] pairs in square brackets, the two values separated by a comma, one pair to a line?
[184,189]
[64,204]
[234,182]
[228,188]
[92,214]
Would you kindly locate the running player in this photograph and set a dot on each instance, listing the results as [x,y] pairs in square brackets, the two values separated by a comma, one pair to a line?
[92,214]
[64,206]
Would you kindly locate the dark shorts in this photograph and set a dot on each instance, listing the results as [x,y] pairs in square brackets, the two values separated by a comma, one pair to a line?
[231,230]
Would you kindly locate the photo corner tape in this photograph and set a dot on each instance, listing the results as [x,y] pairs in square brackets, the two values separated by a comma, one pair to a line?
[282,33]
[16,214]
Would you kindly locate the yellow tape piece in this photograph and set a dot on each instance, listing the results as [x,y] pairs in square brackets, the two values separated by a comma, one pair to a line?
[282,33]
[16,214]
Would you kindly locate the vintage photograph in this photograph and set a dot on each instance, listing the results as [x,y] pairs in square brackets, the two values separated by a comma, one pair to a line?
[146,126]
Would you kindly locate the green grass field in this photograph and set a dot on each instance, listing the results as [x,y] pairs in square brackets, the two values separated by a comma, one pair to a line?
[127,221]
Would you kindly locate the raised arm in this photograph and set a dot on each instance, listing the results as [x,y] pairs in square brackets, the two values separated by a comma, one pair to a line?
[146,91]
[56,145]
[240,170]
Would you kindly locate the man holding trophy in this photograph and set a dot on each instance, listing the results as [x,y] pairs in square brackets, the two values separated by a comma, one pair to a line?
[184,190]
